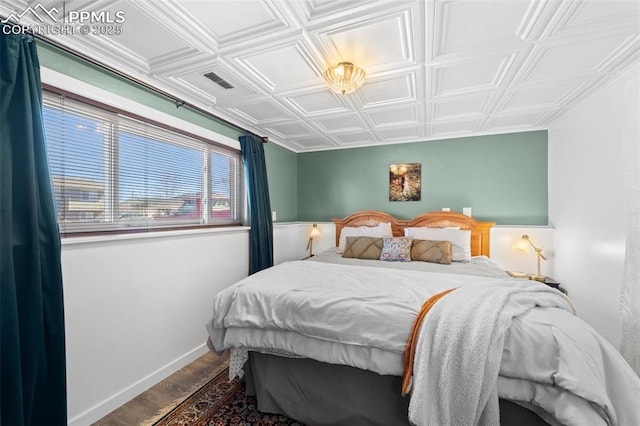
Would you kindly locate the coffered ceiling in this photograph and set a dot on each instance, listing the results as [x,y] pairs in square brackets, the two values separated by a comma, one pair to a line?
[435,69]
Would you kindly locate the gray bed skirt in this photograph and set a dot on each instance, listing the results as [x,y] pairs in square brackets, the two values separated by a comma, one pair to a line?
[316,393]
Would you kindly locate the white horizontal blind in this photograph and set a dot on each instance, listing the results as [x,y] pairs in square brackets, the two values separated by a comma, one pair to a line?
[111,172]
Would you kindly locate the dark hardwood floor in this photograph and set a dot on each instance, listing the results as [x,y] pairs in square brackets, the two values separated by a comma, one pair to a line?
[154,403]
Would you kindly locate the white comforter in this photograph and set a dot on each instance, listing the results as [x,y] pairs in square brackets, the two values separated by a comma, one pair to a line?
[353,315]
[361,316]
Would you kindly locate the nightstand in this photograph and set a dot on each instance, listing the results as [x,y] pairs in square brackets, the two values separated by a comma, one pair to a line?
[553,283]
[547,280]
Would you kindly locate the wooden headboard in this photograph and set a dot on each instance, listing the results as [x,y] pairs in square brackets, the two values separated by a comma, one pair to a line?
[480,231]
[368,218]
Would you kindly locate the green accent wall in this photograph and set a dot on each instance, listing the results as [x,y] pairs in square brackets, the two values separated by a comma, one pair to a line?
[503,178]
[282,173]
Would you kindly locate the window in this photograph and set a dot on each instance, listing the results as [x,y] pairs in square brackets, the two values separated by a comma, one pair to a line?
[114,172]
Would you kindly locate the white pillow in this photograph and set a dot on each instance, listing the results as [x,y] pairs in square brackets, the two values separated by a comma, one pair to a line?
[380,231]
[460,240]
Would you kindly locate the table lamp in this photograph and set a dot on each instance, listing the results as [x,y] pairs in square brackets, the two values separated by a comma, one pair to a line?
[315,232]
[524,245]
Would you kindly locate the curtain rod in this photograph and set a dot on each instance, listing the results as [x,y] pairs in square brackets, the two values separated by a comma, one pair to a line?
[178,102]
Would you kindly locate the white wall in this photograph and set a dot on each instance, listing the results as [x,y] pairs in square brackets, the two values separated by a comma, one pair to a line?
[290,240]
[502,253]
[136,307]
[587,204]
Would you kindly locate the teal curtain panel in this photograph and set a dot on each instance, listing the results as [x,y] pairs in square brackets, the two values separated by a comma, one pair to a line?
[261,233]
[32,352]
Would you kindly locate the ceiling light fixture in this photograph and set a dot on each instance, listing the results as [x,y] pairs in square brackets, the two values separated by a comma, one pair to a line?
[345,77]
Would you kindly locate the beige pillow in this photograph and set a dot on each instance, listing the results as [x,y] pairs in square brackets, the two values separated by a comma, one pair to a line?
[460,240]
[431,251]
[363,247]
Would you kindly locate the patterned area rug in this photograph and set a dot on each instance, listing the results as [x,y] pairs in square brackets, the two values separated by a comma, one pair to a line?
[221,403]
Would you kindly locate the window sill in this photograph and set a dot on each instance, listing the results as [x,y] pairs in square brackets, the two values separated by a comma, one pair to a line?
[158,234]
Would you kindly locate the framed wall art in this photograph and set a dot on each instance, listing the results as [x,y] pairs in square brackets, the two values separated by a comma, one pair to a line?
[405,182]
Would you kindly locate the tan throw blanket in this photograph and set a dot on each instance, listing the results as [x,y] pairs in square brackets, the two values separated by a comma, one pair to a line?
[410,350]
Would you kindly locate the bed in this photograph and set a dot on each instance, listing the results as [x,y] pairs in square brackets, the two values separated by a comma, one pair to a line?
[324,340]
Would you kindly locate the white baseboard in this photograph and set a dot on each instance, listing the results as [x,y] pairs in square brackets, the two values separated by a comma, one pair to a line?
[99,411]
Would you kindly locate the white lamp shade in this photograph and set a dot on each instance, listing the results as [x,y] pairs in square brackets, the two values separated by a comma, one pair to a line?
[522,245]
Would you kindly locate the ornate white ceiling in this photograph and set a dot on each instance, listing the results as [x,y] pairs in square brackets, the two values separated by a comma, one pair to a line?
[435,69]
